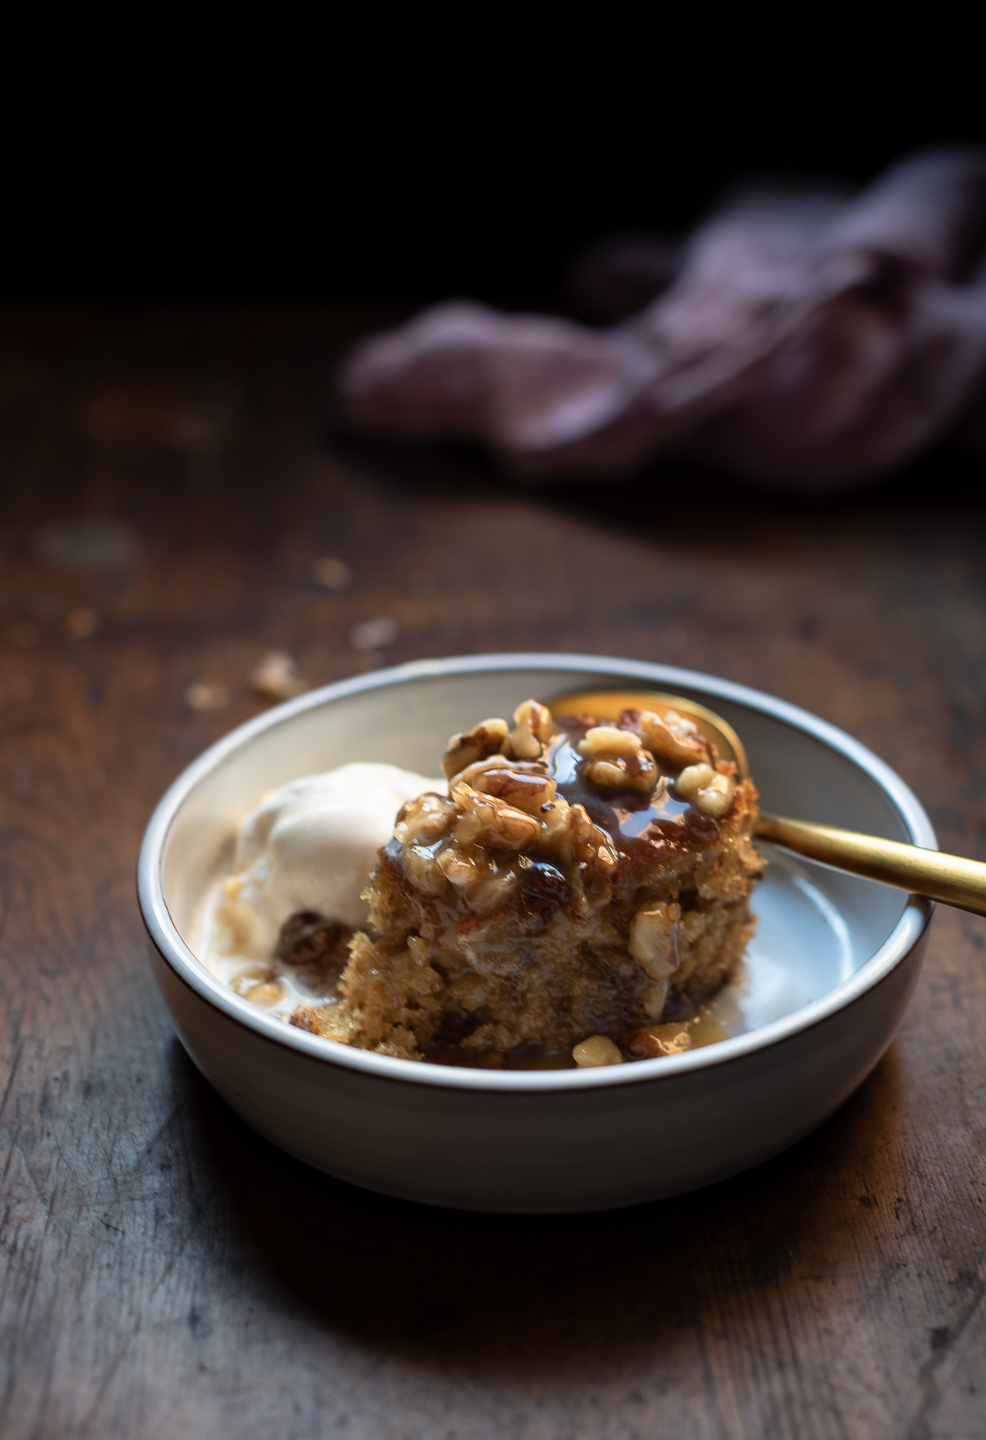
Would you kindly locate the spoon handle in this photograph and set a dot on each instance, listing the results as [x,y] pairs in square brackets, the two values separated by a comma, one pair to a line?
[949,878]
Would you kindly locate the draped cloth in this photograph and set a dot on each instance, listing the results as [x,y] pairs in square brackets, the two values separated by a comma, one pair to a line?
[808,338]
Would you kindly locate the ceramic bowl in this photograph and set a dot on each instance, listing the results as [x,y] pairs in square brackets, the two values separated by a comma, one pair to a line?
[823,991]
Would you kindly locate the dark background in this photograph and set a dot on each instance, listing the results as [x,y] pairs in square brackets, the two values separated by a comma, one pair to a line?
[166,469]
[401,158]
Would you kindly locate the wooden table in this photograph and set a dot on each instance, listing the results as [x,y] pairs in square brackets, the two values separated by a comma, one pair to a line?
[168,1273]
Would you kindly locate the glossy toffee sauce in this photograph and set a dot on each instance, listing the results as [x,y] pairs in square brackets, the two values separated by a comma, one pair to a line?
[638,823]
[641,826]
[702,1029]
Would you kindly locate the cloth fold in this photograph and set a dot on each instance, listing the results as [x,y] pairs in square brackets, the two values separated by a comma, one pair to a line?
[809,338]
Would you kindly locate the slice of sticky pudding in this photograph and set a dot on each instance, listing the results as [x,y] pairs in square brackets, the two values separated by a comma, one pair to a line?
[578,884]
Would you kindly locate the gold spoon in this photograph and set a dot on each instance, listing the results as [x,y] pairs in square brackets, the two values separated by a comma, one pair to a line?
[948,878]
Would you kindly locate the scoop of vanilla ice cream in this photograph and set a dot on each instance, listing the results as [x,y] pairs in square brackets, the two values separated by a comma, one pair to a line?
[312,845]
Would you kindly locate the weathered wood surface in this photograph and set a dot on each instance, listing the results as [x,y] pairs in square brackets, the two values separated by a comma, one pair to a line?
[167,1273]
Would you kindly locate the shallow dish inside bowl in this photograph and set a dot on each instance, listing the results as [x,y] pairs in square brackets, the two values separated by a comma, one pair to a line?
[823,988]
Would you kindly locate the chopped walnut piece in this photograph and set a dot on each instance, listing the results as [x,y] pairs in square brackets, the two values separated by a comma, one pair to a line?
[463,750]
[610,741]
[674,740]
[693,779]
[423,871]
[490,821]
[597,1050]
[200,696]
[533,728]
[459,870]
[425,820]
[711,792]
[527,790]
[654,998]
[615,760]
[606,775]
[585,842]
[716,797]
[652,940]
[554,817]
[276,677]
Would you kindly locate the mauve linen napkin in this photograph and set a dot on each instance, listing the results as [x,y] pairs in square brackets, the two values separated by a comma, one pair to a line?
[808,338]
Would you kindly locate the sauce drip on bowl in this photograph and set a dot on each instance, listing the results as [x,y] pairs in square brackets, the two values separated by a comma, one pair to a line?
[701,1030]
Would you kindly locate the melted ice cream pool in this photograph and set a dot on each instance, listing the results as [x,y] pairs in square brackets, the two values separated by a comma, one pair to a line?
[310,845]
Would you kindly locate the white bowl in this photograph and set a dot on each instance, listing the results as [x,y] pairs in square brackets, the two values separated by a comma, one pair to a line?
[828,978]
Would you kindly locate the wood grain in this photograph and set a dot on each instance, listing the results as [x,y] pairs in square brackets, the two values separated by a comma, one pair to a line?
[165,1272]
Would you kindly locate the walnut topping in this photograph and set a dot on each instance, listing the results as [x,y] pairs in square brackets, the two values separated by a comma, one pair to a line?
[652,940]
[609,741]
[423,871]
[460,870]
[508,806]
[485,819]
[654,998]
[475,744]
[716,797]
[673,740]
[584,843]
[693,779]
[711,792]
[425,820]
[527,790]
[597,1050]
[508,912]
[622,756]
[533,728]
[615,760]
[554,818]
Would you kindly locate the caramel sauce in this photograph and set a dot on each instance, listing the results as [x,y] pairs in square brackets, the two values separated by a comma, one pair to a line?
[638,824]
[671,1039]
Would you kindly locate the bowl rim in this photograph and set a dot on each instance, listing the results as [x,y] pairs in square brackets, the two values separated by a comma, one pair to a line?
[165,935]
